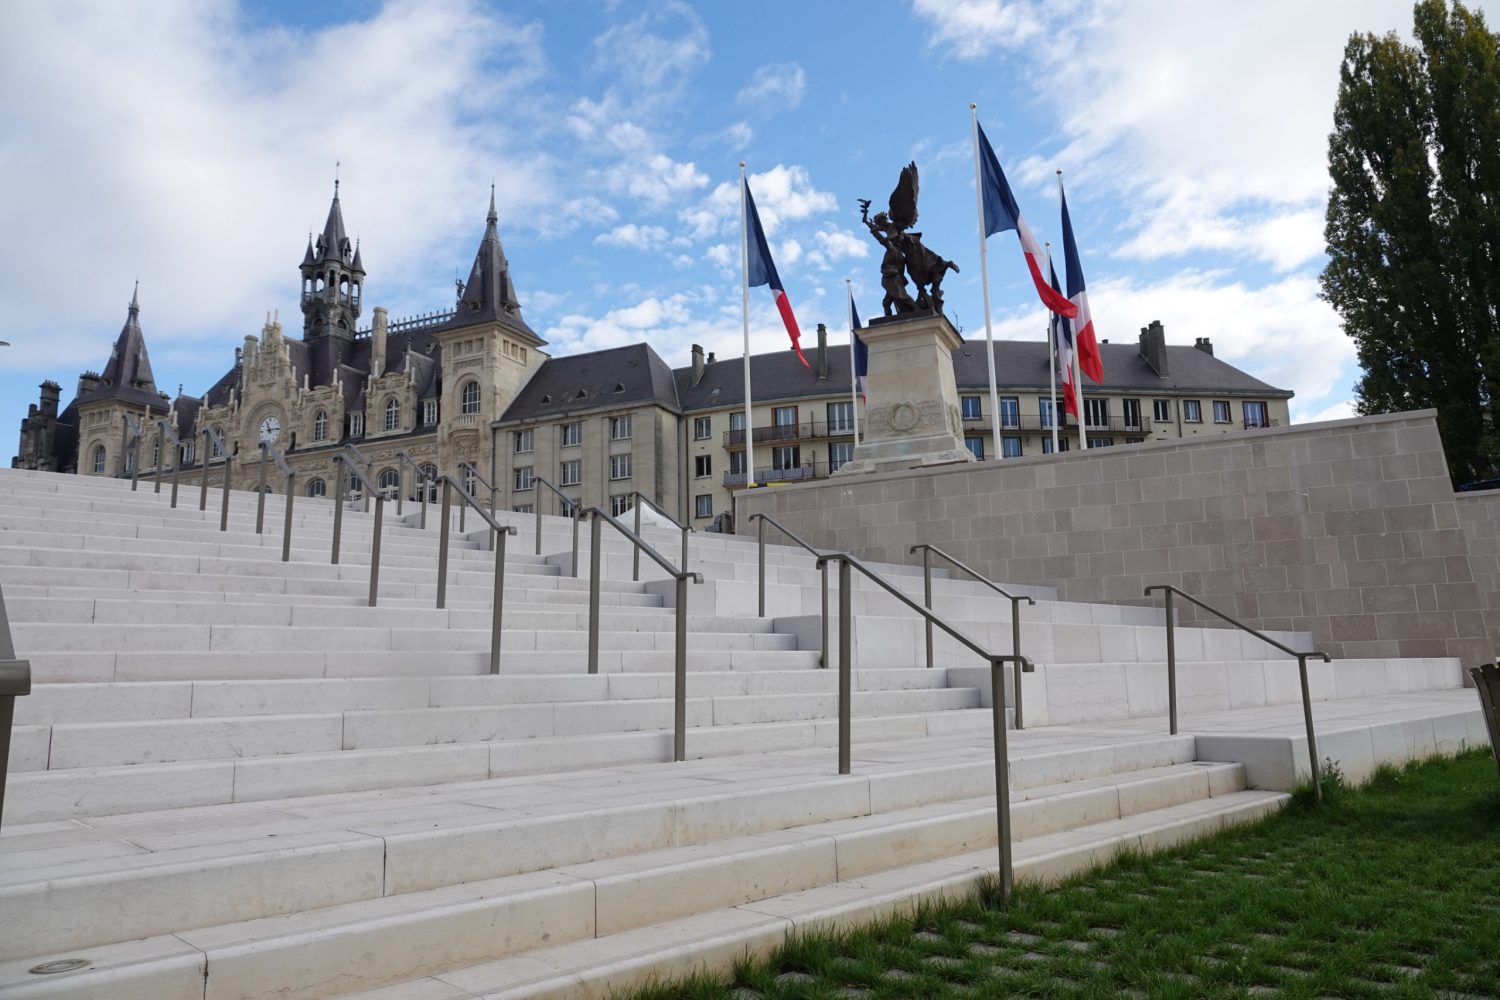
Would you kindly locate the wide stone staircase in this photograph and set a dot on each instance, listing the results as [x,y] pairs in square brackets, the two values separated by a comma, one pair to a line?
[236,779]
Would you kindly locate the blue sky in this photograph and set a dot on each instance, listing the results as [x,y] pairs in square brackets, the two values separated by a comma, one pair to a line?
[191,144]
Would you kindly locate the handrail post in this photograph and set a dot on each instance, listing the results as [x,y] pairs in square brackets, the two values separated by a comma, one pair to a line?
[443,523]
[927,598]
[846,667]
[635,550]
[203,489]
[260,500]
[224,501]
[1002,777]
[538,507]
[176,467]
[15,682]
[1312,740]
[161,453]
[577,514]
[1015,648]
[497,604]
[1171,668]
[823,657]
[679,689]
[760,544]
[423,485]
[375,548]
[685,530]
[595,536]
[338,507]
[286,531]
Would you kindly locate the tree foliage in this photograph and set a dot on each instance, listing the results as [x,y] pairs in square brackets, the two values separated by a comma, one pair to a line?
[1413,225]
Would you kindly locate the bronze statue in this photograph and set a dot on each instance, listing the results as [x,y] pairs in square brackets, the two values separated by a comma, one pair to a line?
[904,251]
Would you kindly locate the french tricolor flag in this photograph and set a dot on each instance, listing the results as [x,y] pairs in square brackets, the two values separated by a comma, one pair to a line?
[1062,338]
[1001,213]
[1088,348]
[861,350]
[761,270]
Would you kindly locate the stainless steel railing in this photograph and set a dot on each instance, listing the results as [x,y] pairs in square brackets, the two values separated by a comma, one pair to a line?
[130,442]
[997,695]
[211,440]
[291,493]
[641,498]
[597,519]
[567,504]
[1302,658]
[369,468]
[474,471]
[421,480]
[15,681]
[498,532]
[338,517]
[928,551]
[760,545]
[165,432]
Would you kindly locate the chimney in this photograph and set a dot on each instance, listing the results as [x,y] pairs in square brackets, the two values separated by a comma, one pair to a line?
[1205,345]
[822,353]
[51,392]
[1154,347]
[697,363]
[250,345]
[377,343]
[88,382]
[710,357]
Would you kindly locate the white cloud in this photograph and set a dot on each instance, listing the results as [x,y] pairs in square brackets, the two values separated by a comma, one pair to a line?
[788,252]
[1338,411]
[738,135]
[632,235]
[782,194]
[652,53]
[776,87]
[972,28]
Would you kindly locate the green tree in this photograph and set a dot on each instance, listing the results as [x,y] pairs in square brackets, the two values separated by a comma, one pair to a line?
[1413,226]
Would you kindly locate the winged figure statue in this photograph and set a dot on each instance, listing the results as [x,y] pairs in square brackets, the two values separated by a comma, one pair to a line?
[905,254]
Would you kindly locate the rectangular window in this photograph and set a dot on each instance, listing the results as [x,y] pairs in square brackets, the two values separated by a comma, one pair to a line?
[429,412]
[1132,410]
[619,466]
[1192,412]
[619,503]
[970,406]
[736,463]
[524,508]
[356,425]
[1047,407]
[1096,412]
[1255,415]
[525,441]
[703,428]
[975,444]
[619,428]
[784,423]
[522,479]
[736,427]
[1047,449]
[1162,410]
[839,452]
[786,457]
[703,466]
[572,435]
[567,508]
[1010,447]
[1010,411]
[703,505]
[572,473]
[189,453]
[1101,442]
[841,418]
[1221,411]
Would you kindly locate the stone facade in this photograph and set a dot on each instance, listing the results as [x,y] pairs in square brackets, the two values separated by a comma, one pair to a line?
[1349,529]
[1479,517]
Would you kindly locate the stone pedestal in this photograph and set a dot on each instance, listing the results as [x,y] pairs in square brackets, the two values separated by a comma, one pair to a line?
[913,419]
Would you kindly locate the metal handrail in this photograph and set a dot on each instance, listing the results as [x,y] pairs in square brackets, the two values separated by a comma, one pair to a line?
[15,682]
[1302,658]
[420,479]
[338,519]
[291,491]
[163,432]
[577,516]
[369,475]
[641,498]
[760,545]
[498,532]
[597,519]
[928,551]
[997,695]
[130,437]
[474,470]
[212,439]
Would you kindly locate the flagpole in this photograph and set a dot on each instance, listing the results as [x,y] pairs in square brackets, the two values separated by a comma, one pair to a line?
[745,315]
[853,375]
[1052,359]
[1083,441]
[984,280]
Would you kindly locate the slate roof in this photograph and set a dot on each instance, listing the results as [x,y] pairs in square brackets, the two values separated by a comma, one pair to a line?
[489,296]
[1022,364]
[772,377]
[619,376]
[127,376]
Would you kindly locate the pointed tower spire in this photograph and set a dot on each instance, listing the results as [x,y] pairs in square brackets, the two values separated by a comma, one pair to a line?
[127,376]
[332,280]
[135,305]
[489,296]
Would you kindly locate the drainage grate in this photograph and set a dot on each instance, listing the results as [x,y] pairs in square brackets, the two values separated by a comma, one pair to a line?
[60,965]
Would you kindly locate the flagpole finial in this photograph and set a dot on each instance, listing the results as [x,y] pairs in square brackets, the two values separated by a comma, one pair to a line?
[973,106]
[742,164]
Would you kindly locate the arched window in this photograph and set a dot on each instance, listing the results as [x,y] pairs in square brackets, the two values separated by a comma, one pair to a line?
[469,397]
[98,459]
[393,415]
[317,488]
[429,477]
[390,480]
[320,426]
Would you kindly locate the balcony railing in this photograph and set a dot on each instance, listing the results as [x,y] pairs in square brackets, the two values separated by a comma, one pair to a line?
[804,430]
[1260,423]
[792,474]
[1027,422]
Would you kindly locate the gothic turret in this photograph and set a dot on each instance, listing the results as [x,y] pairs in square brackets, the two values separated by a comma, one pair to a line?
[332,281]
[127,375]
[488,295]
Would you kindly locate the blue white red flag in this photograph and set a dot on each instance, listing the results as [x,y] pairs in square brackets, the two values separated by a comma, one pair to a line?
[1001,213]
[1088,348]
[1062,339]
[861,349]
[761,270]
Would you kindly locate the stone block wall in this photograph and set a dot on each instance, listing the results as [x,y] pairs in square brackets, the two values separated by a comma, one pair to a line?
[1479,517]
[1347,529]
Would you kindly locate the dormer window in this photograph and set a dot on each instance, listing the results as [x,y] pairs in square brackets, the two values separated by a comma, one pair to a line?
[320,426]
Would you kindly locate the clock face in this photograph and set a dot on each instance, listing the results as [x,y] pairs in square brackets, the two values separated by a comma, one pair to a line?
[270,430]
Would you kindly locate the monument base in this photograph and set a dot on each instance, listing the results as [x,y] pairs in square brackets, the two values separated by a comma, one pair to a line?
[915,420]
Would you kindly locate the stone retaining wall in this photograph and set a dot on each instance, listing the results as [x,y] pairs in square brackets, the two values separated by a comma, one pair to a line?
[1347,529]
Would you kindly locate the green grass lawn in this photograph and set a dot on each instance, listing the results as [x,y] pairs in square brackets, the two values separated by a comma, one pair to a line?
[1390,890]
